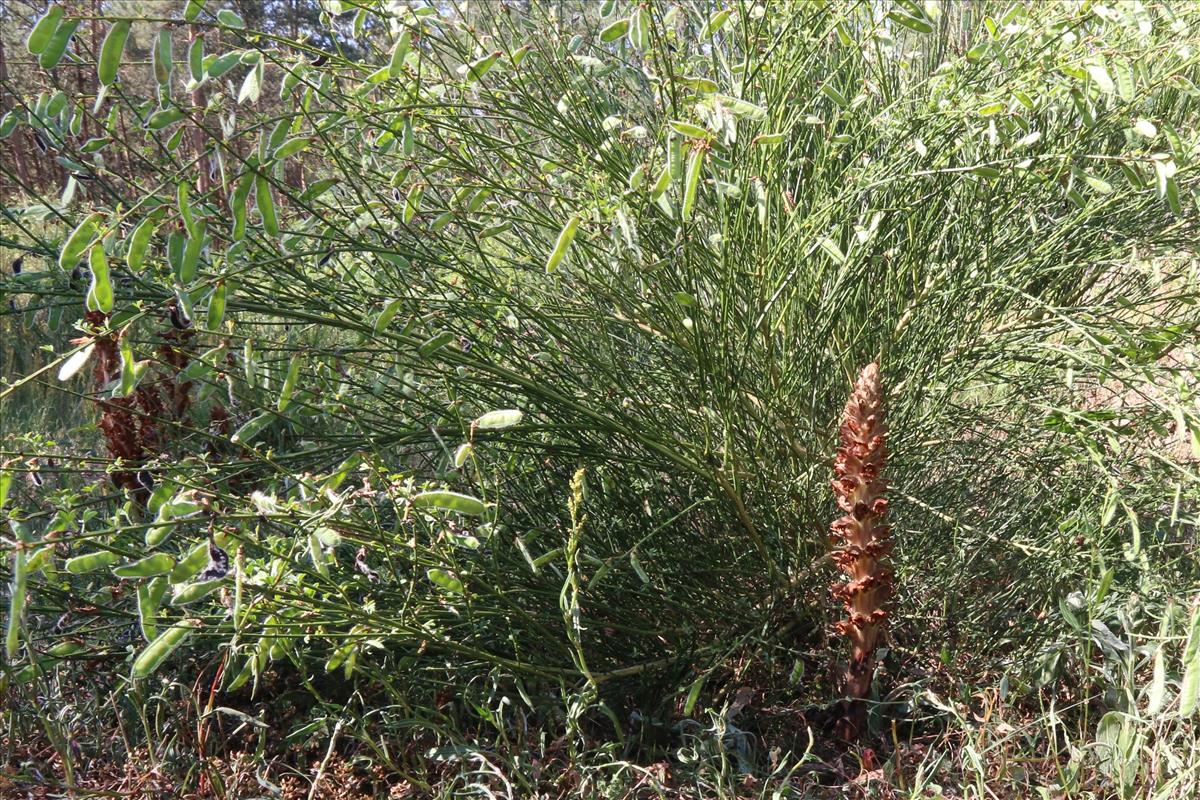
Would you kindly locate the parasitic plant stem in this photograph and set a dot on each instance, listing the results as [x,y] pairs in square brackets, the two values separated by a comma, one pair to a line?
[862,540]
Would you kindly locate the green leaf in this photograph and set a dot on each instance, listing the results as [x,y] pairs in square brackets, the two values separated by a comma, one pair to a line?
[1172,196]
[191,11]
[251,85]
[155,653]
[561,245]
[399,53]
[715,23]
[229,19]
[693,695]
[1101,186]
[445,580]
[291,147]
[1189,690]
[109,63]
[831,248]
[450,501]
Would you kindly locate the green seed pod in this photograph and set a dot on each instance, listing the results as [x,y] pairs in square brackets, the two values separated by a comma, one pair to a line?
[191,592]
[43,29]
[266,206]
[163,57]
[191,564]
[150,597]
[139,241]
[90,562]
[155,653]
[16,604]
[157,564]
[565,237]
[78,241]
[109,63]
[57,46]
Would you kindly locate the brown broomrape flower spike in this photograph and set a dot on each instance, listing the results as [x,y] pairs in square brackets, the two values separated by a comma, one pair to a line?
[861,539]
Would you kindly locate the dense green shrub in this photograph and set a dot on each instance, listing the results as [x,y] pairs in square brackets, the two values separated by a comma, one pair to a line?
[349,321]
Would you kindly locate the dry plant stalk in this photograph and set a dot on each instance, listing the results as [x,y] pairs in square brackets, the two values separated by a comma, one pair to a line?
[862,540]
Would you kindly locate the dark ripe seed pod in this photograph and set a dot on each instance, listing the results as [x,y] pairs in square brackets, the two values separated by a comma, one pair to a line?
[180,321]
[145,480]
[17,264]
[217,567]
[320,60]
[40,141]
[360,563]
